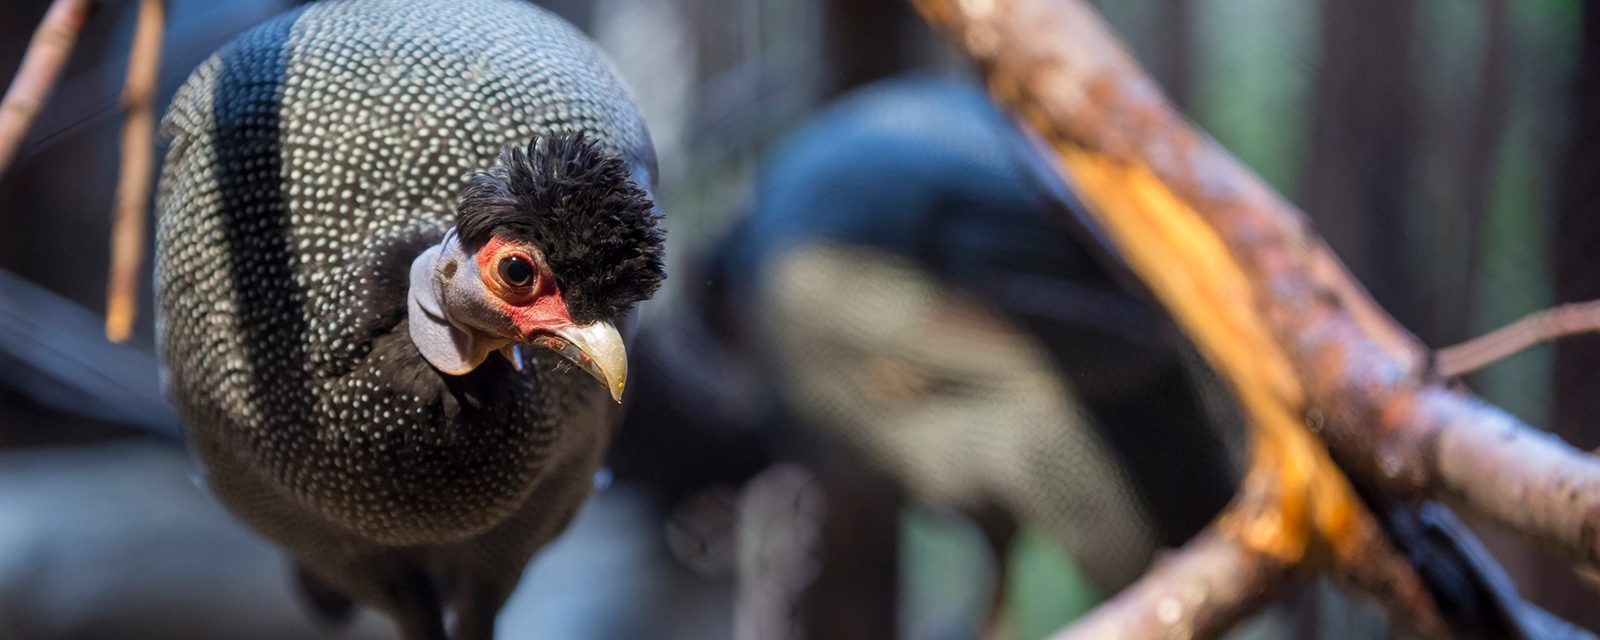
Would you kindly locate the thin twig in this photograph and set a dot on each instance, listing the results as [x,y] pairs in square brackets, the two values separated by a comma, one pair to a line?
[1514,338]
[138,161]
[41,66]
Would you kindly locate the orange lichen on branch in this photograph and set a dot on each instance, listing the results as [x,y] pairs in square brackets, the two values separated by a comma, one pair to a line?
[1296,508]
[1191,271]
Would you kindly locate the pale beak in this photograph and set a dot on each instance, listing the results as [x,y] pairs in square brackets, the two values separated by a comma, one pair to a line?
[596,348]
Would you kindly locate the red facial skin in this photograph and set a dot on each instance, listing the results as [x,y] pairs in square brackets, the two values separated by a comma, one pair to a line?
[537,310]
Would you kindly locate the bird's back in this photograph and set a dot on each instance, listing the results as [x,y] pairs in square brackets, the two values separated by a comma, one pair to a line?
[311,160]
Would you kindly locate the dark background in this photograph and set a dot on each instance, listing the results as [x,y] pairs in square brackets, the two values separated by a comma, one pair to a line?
[1449,150]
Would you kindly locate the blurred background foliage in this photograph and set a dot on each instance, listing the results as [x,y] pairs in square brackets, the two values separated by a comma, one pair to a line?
[1446,148]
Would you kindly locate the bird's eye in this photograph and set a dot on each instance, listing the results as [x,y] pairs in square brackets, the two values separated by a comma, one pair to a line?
[516,272]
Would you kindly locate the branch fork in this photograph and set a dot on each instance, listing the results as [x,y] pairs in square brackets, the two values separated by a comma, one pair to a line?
[1338,395]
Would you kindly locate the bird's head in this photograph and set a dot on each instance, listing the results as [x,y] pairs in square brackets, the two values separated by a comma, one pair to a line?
[549,249]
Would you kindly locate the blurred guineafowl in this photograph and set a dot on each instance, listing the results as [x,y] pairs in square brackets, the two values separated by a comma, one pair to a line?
[919,300]
[366,204]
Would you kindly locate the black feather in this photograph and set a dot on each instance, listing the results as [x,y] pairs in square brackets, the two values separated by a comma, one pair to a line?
[597,229]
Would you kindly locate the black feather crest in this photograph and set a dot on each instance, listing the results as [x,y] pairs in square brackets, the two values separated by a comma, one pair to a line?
[567,196]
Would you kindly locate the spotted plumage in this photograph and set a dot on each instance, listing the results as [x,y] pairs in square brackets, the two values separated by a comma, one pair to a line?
[313,160]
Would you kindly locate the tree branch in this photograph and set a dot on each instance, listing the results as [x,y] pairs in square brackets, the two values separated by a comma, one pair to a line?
[1201,590]
[1544,326]
[1269,305]
[138,163]
[1218,579]
[47,53]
